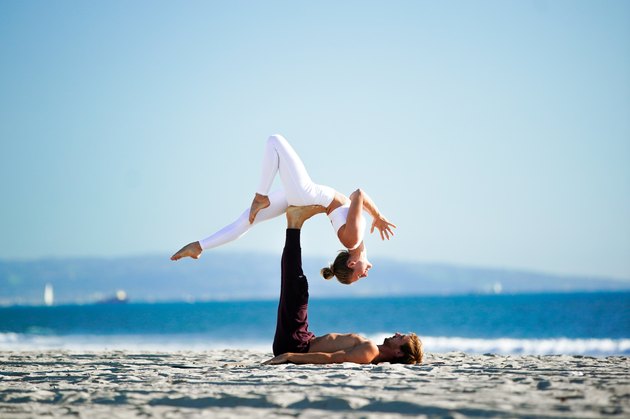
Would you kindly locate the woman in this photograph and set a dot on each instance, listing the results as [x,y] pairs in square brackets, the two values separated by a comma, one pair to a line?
[299,190]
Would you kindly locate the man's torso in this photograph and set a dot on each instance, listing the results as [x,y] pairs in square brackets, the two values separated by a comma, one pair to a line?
[334,342]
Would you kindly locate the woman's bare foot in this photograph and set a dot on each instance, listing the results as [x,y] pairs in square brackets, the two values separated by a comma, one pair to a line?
[297,215]
[192,250]
[259,202]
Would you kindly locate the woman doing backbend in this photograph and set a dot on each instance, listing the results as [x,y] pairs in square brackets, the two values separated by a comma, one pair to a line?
[299,190]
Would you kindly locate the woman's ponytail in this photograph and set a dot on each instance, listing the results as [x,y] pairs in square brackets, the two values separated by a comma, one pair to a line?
[339,268]
[327,272]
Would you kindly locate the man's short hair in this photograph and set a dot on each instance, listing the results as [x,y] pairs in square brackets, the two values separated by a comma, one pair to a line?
[413,352]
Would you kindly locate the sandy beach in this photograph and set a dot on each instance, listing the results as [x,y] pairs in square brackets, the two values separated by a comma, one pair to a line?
[233,383]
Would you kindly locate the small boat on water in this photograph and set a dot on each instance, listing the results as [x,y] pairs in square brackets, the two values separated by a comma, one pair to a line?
[49,296]
[119,298]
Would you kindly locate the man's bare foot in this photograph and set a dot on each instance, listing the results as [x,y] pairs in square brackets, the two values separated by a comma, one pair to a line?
[259,202]
[297,215]
[192,250]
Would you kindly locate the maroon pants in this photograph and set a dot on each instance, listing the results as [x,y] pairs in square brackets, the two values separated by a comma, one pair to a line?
[292,333]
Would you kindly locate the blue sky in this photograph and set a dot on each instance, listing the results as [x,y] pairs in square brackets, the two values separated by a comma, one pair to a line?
[493,133]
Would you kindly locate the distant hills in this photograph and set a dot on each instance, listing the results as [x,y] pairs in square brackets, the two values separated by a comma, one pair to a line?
[244,276]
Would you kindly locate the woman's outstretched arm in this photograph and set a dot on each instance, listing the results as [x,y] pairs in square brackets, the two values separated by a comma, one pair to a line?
[359,200]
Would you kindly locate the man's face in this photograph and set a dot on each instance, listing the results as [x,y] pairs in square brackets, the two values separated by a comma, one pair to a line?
[396,341]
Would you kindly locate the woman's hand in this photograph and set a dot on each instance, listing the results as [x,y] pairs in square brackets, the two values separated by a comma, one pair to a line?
[280,359]
[383,226]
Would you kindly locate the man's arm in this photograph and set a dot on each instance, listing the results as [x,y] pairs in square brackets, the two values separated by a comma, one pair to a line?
[360,354]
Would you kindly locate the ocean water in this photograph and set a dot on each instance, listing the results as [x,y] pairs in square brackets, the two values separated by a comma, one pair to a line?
[595,324]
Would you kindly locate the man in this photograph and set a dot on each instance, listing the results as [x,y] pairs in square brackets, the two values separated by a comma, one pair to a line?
[294,343]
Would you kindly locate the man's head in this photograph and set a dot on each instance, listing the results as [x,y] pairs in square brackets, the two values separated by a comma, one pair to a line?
[405,349]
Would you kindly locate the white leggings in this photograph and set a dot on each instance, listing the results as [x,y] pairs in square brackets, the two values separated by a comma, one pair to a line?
[298,189]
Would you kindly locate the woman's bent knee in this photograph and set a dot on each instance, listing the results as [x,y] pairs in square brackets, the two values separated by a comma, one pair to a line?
[276,140]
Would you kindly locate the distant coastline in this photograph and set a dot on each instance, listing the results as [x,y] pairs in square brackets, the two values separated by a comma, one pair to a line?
[224,277]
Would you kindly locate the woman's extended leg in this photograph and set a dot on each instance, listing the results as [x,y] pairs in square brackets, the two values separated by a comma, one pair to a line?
[300,190]
[278,205]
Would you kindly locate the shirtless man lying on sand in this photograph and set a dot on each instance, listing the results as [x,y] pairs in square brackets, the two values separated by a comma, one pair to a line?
[293,343]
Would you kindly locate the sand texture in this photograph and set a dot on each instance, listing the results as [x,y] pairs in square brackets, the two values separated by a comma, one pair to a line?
[232,383]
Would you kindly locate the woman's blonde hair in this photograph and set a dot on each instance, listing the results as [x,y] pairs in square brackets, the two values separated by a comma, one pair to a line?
[339,268]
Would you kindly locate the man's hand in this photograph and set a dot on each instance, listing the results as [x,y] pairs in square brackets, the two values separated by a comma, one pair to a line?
[280,359]
[383,226]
